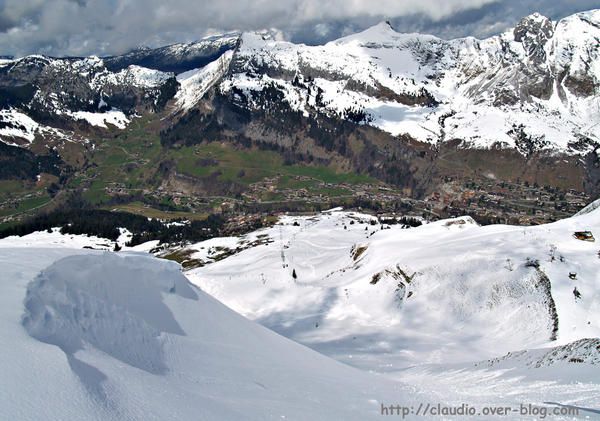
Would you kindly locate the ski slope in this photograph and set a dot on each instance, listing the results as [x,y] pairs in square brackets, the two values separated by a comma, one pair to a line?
[484,315]
[415,296]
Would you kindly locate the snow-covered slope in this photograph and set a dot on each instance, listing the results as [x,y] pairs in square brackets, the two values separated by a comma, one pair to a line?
[422,304]
[55,239]
[554,379]
[177,58]
[18,129]
[99,335]
[126,336]
[16,125]
[195,83]
[448,291]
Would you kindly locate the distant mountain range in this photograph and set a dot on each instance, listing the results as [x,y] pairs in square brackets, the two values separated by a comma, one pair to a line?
[407,109]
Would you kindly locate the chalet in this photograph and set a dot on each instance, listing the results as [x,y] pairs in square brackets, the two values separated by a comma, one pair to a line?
[584,235]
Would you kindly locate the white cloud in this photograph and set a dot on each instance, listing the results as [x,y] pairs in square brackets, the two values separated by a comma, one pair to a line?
[81,27]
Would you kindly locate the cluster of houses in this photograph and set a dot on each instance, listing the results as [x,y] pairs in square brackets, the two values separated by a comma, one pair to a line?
[517,203]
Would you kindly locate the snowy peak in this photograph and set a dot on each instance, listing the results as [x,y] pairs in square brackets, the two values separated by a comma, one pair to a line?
[589,17]
[533,32]
[381,31]
[533,25]
[580,26]
[576,53]
[382,35]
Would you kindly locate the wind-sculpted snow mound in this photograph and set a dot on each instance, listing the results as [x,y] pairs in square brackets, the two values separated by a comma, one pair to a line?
[112,336]
[110,302]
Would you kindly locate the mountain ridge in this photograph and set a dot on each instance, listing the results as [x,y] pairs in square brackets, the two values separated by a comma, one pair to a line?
[531,48]
[420,114]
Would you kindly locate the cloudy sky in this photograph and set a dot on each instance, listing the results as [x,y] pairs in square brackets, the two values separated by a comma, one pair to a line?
[104,27]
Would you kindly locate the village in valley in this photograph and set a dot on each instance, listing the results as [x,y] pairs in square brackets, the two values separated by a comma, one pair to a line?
[488,201]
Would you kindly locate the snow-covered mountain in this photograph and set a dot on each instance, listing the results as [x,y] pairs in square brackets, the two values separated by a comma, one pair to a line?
[42,96]
[177,58]
[410,110]
[534,87]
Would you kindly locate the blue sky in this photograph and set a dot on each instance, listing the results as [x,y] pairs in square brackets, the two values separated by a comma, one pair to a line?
[104,27]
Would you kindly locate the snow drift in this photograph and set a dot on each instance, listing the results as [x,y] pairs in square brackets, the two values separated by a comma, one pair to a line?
[69,305]
[99,335]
